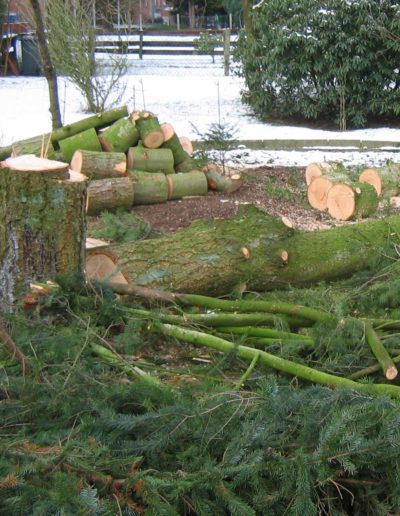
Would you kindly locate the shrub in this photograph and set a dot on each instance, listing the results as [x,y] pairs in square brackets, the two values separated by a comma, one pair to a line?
[332,60]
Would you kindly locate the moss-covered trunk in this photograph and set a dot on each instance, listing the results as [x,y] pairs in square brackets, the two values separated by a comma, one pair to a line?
[214,257]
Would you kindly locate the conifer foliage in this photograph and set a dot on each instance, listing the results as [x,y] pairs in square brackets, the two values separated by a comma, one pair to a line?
[332,60]
[84,436]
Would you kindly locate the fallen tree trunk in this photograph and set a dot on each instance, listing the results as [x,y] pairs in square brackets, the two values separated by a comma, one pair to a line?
[208,257]
[42,227]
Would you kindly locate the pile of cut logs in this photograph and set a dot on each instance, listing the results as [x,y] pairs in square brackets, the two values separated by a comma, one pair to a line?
[129,159]
[350,195]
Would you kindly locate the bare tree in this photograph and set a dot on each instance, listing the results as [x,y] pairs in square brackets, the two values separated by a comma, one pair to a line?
[72,43]
[47,65]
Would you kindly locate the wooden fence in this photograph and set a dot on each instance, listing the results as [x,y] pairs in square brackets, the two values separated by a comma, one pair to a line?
[170,44]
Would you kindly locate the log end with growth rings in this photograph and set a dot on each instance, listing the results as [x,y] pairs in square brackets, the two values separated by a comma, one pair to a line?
[371,176]
[317,192]
[391,373]
[341,202]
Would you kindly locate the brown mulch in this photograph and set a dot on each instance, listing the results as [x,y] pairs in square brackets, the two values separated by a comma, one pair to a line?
[278,191]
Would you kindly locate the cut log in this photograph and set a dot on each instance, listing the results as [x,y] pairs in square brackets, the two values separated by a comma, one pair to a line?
[186,144]
[314,170]
[172,142]
[188,165]
[42,228]
[109,194]
[28,164]
[119,136]
[347,202]
[86,140]
[317,191]
[183,185]
[385,180]
[150,187]
[34,145]
[99,165]
[207,257]
[220,183]
[39,146]
[151,160]
[149,129]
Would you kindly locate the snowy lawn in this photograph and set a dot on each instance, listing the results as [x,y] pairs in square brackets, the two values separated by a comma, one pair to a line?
[195,94]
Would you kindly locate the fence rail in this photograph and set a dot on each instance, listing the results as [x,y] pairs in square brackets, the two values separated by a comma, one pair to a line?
[144,44]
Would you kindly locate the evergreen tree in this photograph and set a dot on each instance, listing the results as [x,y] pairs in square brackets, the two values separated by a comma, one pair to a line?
[332,60]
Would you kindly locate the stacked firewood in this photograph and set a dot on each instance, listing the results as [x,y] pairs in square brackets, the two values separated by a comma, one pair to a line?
[349,195]
[137,160]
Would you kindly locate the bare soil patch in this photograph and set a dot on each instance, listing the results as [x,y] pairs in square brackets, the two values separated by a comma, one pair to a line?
[277,191]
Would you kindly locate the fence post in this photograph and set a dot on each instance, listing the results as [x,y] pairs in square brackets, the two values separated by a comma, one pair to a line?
[227,50]
[141,44]
[178,21]
[230,21]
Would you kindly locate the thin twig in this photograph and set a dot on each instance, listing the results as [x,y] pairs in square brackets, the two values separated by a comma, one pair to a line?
[14,351]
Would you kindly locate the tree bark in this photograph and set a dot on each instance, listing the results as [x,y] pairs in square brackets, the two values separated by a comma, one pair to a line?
[150,187]
[150,160]
[121,135]
[209,257]
[47,65]
[86,140]
[42,229]
[109,194]
[183,185]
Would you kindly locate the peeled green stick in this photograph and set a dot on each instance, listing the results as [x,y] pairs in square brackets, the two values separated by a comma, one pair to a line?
[116,361]
[386,362]
[211,319]
[281,364]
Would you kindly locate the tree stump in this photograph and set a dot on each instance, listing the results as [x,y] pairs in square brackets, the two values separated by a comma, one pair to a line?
[42,224]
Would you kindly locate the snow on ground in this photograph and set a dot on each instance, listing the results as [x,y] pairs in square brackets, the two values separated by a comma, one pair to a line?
[191,93]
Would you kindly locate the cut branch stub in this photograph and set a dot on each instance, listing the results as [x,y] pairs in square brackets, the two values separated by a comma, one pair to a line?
[99,165]
[149,128]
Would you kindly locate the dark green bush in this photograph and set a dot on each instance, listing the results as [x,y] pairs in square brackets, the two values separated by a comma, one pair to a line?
[332,60]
